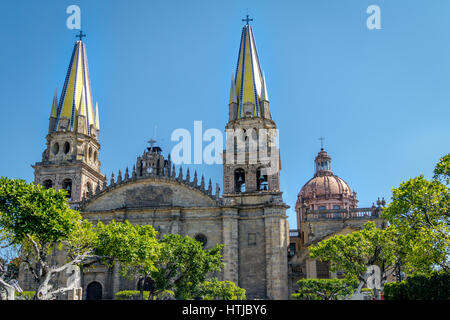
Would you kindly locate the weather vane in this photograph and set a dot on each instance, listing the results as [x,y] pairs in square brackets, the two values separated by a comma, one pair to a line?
[80,35]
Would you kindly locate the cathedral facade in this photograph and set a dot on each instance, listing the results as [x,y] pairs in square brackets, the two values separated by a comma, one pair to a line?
[261,254]
[249,218]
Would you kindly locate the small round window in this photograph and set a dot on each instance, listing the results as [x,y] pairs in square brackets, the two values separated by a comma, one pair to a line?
[201,238]
[55,148]
[66,147]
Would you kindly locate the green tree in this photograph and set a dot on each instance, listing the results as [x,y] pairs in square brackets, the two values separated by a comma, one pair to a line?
[220,290]
[134,247]
[40,222]
[355,252]
[324,289]
[420,211]
[183,265]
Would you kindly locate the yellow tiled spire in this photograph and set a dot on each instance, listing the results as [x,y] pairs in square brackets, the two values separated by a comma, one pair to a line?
[249,81]
[76,97]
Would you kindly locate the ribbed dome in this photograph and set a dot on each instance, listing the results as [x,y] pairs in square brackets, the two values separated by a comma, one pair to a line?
[325,185]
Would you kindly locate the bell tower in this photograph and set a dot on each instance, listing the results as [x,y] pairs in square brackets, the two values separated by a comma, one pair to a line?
[251,158]
[71,158]
[251,182]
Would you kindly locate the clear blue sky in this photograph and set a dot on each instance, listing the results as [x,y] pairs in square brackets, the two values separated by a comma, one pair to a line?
[380,98]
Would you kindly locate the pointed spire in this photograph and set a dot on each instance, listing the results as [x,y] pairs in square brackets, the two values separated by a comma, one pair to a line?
[195,181]
[53,112]
[202,183]
[210,187]
[217,191]
[112,179]
[97,122]
[173,171]
[249,78]
[180,174]
[188,177]
[133,173]
[119,177]
[77,81]
[126,174]
[264,95]
[233,95]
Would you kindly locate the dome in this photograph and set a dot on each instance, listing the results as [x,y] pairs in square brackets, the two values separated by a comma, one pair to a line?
[325,188]
[325,185]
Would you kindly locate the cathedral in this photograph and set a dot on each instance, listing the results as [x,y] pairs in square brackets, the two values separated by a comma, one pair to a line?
[261,254]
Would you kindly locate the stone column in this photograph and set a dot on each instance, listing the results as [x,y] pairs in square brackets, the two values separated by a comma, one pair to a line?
[230,237]
[311,271]
[175,222]
[276,255]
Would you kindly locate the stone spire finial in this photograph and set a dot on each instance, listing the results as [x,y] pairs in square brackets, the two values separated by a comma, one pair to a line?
[119,177]
[202,183]
[112,179]
[126,174]
[133,173]
[188,177]
[195,178]
[173,171]
[217,191]
[180,174]
[209,187]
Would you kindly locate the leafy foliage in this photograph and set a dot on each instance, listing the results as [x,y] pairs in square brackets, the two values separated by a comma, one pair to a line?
[420,211]
[29,210]
[40,221]
[183,265]
[323,289]
[354,252]
[25,295]
[220,290]
[136,295]
[434,286]
[135,247]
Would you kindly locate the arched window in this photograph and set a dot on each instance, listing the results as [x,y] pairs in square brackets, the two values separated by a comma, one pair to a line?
[200,237]
[67,185]
[239,180]
[90,153]
[47,184]
[55,148]
[95,156]
[94,291]
[261,180]
[66,147]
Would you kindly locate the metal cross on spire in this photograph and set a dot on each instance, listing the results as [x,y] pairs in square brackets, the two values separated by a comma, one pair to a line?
[151,142]
[247,19]
[321,142]
[80,35]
